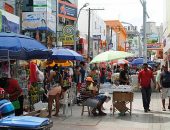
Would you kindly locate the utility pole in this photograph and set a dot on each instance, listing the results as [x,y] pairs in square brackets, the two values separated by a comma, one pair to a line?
[89,11]
[75,25]
[89,24]
[56,22]
[19,4]
[144,30]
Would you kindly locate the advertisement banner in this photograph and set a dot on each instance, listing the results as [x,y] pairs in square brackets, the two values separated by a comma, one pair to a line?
[34,21]
[40,5]
[67,10]
[67,37]
[9,22]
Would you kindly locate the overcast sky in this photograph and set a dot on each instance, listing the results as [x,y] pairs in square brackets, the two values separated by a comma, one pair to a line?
[127,10]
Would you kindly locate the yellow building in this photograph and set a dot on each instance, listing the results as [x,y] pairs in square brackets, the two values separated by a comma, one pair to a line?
[121,34]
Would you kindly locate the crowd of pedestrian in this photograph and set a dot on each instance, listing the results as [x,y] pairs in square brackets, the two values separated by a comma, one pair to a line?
[88,79]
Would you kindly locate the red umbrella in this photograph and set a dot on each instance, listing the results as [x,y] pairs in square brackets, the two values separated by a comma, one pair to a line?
[120,61]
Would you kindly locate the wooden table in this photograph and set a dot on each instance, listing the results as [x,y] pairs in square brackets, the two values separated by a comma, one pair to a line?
[121,100]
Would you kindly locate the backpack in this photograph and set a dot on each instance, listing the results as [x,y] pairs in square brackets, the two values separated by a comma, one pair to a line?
[166,79]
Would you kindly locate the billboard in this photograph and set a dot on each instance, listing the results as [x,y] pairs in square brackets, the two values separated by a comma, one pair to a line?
[38,21]
[67,10]
[34,21]
[9,22]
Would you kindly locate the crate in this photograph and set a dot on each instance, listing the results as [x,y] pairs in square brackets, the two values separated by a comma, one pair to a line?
[123,96]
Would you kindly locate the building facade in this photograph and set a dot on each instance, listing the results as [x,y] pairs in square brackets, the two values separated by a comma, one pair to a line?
[166,32]
[121,34]
[97,31]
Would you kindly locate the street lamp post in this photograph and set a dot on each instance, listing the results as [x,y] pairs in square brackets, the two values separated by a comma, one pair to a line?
[75,25]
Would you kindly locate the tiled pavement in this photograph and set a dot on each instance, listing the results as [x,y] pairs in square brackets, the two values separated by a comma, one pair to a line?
[154,120]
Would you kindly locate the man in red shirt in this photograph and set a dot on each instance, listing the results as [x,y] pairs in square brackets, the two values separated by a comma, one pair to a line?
[144,79]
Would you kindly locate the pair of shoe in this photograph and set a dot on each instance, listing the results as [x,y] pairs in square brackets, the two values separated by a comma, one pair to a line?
[163,109]
[146,110]
[102,114]
[168,107]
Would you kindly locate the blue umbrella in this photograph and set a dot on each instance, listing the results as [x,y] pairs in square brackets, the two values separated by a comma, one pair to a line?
[139,61]
[65,54]
[22,47]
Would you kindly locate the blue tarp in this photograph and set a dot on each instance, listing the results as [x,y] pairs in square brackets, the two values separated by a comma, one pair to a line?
[24,122]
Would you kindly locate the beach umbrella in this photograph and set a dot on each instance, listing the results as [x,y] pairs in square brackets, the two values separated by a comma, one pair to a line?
[119,61]
[110,56]
[21,47]
[65,54]
[139,61]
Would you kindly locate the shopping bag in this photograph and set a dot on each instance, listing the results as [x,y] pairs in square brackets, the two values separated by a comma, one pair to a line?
[16,104]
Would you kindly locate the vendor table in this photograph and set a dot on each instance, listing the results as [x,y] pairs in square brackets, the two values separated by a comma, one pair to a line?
[121,101]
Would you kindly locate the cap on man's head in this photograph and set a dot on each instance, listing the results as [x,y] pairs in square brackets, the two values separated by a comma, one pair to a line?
[2,91]
[89,79]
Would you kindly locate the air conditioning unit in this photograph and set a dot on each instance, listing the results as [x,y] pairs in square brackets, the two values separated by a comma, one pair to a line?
[63,20]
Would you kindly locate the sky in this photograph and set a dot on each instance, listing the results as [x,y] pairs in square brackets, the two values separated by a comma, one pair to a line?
[130,11]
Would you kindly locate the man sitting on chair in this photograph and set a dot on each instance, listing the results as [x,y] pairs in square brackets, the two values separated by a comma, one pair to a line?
[6,107]
[88,94]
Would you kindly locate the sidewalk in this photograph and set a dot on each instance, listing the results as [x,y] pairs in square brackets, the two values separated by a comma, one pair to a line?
[156,119]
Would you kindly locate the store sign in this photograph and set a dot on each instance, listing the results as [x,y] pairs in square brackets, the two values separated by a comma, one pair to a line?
[69,40]
[34,20]
[67,10]
[8,5]
[96,37]
[9,8]
[68,35]
[40,5]
[9,22]
[154,46]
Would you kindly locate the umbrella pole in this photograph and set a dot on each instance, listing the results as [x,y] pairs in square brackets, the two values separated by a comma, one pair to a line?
[9,68]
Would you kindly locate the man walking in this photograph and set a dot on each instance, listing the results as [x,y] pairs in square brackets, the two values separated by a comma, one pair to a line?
[144,80]
[165,86]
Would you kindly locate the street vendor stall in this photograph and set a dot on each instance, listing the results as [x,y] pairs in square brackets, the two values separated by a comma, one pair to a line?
[122,96]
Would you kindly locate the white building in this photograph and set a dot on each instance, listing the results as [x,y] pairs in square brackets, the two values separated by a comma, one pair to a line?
[166,25]
[97,31]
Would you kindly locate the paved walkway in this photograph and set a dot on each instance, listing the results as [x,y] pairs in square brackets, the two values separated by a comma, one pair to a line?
[154,120]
